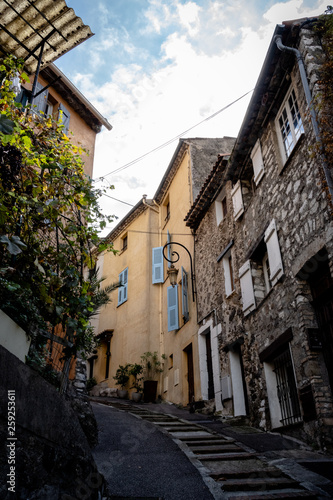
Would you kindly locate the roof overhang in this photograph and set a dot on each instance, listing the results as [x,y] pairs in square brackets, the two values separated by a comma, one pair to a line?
[29,26]
[273,75]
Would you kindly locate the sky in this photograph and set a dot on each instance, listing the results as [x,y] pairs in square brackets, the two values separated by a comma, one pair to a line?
[157,68]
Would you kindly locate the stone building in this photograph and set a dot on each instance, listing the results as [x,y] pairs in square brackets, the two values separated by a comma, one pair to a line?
[263,250]
[149,313]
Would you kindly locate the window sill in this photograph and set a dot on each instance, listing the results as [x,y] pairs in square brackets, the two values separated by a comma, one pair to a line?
[292,154]
[122,303]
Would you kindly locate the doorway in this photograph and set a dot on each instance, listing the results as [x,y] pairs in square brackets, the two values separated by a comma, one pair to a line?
[190,373]
[211,390]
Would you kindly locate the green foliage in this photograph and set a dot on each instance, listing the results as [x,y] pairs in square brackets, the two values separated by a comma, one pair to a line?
[324,101]
[122,375]
[152,364]
[91,382]
[137,370]
[49,223]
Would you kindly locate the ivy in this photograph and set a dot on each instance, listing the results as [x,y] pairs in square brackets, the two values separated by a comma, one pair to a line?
[49,224]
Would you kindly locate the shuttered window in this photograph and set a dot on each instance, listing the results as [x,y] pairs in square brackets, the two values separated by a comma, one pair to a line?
[172,298]
[169,249]
[185,311]
[274,254]
[257,162]
[122,290]
[248,298]
[40,102]
[157,265]
[65,117]
[237,200]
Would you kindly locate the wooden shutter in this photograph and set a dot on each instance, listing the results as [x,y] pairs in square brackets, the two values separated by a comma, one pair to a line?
[65,117]
[237,200]
[40,102]
[185,311]
[157,265]
[274,254]
[258,162]
[172,297]
[248,298]
[122,290]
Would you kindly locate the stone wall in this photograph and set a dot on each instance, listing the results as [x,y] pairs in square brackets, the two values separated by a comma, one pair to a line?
[294,196]
[50,456]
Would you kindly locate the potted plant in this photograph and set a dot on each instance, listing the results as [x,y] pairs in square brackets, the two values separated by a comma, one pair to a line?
[152,367]
[136,370]
[122,378]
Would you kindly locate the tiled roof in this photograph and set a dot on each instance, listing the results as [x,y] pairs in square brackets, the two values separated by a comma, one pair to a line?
[25,24]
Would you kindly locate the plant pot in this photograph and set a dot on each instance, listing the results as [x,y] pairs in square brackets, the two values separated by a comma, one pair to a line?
[136,397]
[150,391]
[122,393]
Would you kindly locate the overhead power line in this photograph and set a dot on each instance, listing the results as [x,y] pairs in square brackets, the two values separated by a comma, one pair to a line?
[173,139]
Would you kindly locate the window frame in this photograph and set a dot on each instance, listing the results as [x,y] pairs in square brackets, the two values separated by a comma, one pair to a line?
[229,273]
[296,132]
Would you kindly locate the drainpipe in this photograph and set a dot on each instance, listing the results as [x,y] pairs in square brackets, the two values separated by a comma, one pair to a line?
[308,96]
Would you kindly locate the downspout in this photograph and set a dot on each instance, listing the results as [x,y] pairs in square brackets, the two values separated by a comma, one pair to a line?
[308,96]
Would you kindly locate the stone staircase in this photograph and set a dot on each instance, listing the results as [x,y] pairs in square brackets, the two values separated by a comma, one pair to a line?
[239,473]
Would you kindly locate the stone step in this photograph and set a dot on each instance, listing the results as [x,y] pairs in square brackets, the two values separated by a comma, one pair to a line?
[254,484]
[198,441]
[242,455]
[253,473]
[225,447]
[279,495]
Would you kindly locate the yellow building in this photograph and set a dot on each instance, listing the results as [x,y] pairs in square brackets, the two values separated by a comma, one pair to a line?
[148,313]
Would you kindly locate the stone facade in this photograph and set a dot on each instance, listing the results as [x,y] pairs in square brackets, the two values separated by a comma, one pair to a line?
[264,272]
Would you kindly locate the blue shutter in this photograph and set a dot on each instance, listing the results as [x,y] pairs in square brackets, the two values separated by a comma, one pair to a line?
[122,290]
[172,296]
[65,117]
[185,296]
[157,266]
[169,249]
[40,102]
[125,281]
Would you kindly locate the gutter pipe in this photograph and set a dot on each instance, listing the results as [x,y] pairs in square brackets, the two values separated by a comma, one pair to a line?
[308,96]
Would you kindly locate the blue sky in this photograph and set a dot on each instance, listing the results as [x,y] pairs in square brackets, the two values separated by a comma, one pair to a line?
[155,68]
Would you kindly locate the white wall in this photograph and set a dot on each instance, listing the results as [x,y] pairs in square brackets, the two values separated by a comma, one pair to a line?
[13,338]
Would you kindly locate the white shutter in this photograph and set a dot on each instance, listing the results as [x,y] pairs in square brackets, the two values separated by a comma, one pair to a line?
[258,162]
[172,298]
[125,280]
[185,296]
[248,298]
[157,266]
[274,254]
[237,200]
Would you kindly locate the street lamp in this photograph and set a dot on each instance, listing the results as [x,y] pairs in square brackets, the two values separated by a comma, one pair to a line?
[173,271]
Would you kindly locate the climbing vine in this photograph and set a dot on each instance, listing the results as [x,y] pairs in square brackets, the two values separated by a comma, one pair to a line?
[324,102]
[49,224]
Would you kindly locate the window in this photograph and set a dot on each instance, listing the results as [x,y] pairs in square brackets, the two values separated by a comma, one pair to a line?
[266,262]
[170,362]
[172,299]
[228,274]
[221,207]
[257,162]
[157,266]
[237,200]
[40,101]
[166,209]
[124,243]
[185,311]
[64,115]
[286,388]
[122,290]
[289,125]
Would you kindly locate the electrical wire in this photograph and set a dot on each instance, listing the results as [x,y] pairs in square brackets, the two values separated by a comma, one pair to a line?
[127,165]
